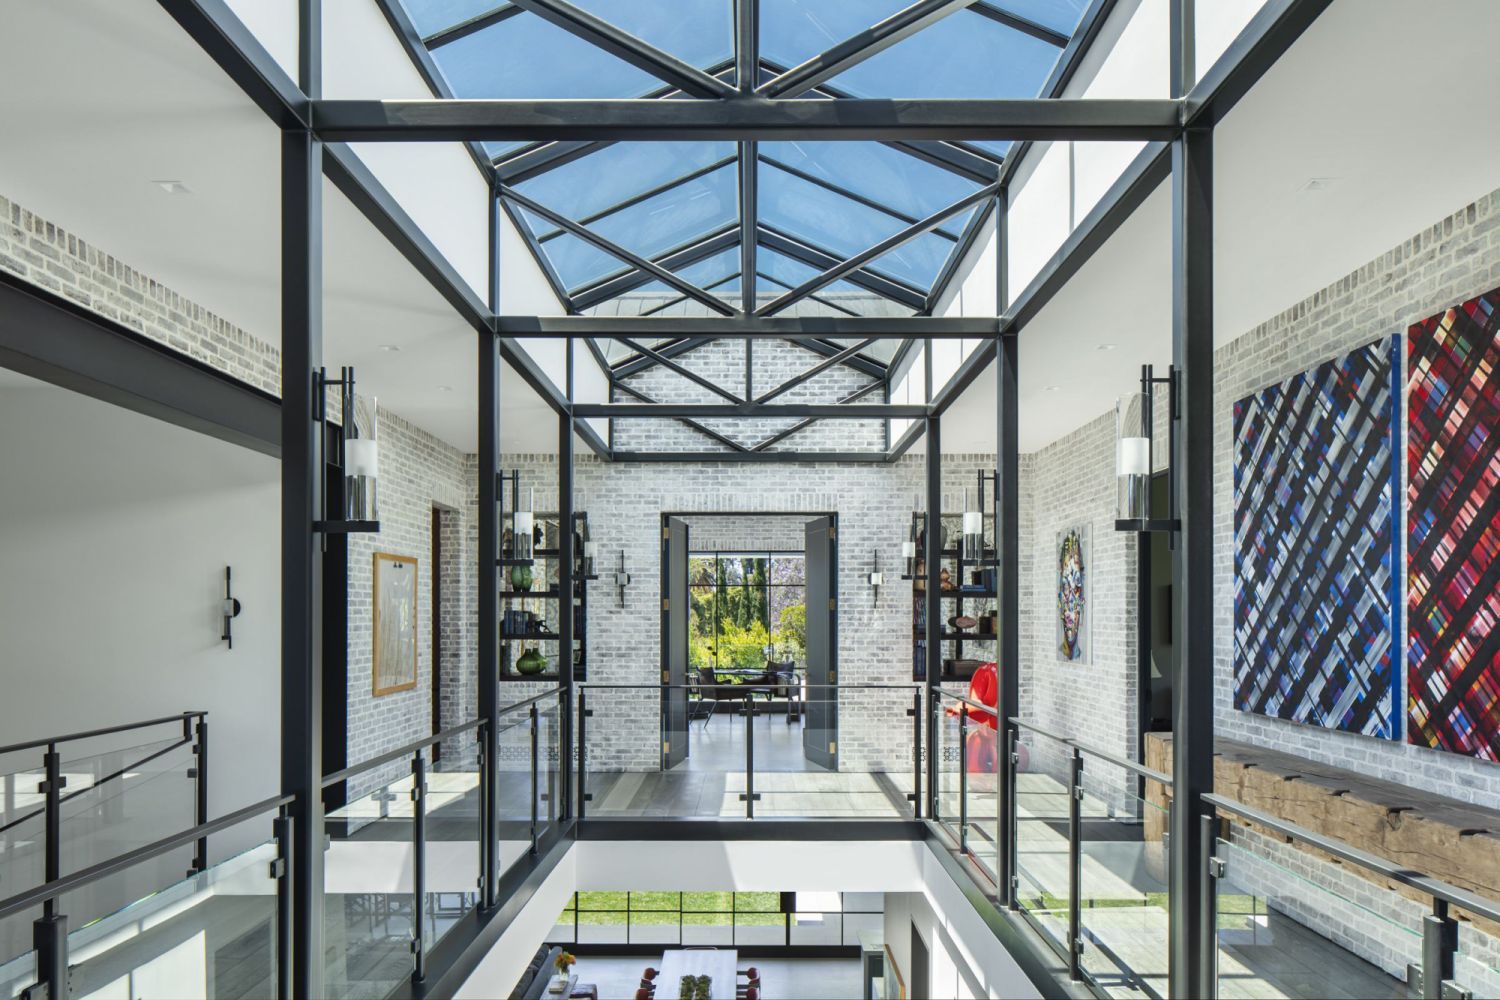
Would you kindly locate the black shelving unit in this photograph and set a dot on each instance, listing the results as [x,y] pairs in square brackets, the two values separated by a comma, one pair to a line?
[953,601]
[543,599]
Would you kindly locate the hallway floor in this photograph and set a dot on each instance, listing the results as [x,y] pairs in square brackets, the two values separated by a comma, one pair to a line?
[783,979]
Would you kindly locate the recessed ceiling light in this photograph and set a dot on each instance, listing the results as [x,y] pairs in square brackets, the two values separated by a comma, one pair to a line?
[173,187]
[445,388]
[1318,184]
[391,348]
[1051,388]
[1106,347]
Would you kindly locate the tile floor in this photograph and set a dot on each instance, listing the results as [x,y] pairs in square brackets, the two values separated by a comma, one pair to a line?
[784,979]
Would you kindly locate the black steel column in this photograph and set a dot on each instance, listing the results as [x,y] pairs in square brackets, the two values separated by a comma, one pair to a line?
[1192,929]
[566,609]
[1008,590]
[301,549]
[488,579]
[932,556]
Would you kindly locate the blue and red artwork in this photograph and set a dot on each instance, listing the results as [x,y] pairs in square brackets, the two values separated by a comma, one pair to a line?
[1453,530]
[1317,546]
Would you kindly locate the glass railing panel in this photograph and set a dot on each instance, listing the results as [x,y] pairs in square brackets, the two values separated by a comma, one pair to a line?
[209,935]
[1476,964]
[708,919]
[1291,924]
[19,973]
[826,754]
[621,743]
[948,748]
[513,788]
[453,838]
[1042,781]
[22,866]
[549,804]
[368,906]
[1123,911]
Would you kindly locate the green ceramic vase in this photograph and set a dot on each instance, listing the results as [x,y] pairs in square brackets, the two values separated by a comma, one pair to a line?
[520,578]
[531,662]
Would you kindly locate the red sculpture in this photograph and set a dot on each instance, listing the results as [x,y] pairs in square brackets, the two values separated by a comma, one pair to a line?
[980,748]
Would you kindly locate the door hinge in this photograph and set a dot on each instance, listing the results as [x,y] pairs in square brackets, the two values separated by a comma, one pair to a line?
[833,746]
[833,604]
[666,604]
[666,532]
[666,677]
[833,533]
[666,746]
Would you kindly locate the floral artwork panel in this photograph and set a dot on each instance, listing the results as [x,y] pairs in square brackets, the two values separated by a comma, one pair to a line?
[1073,620]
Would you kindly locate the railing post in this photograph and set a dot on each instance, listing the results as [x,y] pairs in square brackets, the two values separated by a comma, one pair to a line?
[749,795]
[52,786]
[200,791]
[49,936]
[1439,945]
[281,871]
[1011,877]
[583,749]
[535,735]
[963,780]
[418,864]
[1075,865]
[1213,870]
[487,838]
[916,754]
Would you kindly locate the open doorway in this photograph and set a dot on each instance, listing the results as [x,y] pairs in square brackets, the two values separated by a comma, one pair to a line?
[749,628]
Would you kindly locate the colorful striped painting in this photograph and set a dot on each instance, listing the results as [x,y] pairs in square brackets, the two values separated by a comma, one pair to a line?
[1453,530]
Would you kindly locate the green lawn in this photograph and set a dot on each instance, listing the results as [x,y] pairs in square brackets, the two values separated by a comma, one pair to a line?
[696,909]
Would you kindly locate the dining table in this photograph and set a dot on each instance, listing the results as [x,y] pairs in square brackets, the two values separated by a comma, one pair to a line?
[721,965]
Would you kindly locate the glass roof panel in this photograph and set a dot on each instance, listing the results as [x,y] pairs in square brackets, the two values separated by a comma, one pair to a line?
[577,263]
[600,180]
[906,184]
[779,273]
[963,55]
[1060,15]
[526,57]
[793,31]
[672,218]
[432,16]
[843,226]
[700,32]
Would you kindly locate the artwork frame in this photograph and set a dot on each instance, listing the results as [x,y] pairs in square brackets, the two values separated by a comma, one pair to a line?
[393,631]
[1073,612]
[1317,539]
[1452,521]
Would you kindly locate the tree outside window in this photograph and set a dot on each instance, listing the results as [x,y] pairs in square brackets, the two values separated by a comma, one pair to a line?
[746,608]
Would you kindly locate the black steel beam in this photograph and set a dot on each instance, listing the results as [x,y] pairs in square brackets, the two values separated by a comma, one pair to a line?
[908,438]
[749,214]
[740,118]
[243,59]
[844,192]
[797,328]
[804,424]
[1022,24]
[625,46]
[685,421]
[834,411]
[674,260]
[686,373]
[754,457]
[301,551]
[640,196]
[1273,30]
[523,227]
[822,366]
[614,249]
[805,253]
[1008,621]
[932,599]
[877,251]
[565,613]
[52,338]
[854,50]
[469,26]
[634,366]
[1143,176]
[858,362]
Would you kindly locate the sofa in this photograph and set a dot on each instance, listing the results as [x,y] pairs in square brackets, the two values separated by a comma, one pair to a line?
[533,982]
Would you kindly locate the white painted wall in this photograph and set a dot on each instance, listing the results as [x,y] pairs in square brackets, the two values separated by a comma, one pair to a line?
[750,866]
[964,960]
[497,972]
[115,530]
[274,25]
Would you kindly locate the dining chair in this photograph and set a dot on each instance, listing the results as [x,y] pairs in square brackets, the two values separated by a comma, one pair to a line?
[714,692]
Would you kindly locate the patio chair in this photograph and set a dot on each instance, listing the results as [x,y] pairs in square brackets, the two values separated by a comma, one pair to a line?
[714,693]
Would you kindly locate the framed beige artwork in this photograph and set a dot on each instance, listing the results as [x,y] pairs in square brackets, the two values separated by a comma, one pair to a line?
[394,648]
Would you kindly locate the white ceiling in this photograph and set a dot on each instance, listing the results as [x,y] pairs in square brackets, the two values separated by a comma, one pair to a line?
[141,102]
[1363,97]
[1387,96]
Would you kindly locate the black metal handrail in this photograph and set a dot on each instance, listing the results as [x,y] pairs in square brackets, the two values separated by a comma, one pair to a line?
[1426,884]
[1151,774]
[695,686]
[86,876]
[400,752]
[98,782]
[106,731]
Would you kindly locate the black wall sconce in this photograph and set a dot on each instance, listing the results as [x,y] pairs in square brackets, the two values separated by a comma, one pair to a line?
[1135,414]
[231,609]
[358,457]
[622,578]
[876,578]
